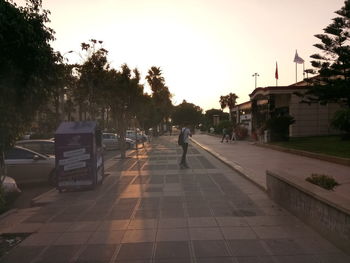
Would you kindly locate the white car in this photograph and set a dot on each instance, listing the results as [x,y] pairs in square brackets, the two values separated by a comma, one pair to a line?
[111,141]
[26,166]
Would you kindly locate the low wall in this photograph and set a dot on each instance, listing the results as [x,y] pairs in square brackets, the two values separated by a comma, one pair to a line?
[326,212]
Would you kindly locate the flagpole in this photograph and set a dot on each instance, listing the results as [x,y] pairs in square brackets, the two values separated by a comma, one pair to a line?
[296,72]
[303,70]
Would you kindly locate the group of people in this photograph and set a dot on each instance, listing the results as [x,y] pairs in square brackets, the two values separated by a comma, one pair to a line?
[228,135]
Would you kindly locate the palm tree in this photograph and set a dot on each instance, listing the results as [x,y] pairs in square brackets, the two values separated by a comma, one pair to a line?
[160,94]
[228,101]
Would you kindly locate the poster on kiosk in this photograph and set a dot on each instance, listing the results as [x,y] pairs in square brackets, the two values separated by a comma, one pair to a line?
[79,155]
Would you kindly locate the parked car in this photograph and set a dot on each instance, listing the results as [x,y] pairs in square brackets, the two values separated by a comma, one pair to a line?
[111,141]
[41,146]
[140,137]
[27,166]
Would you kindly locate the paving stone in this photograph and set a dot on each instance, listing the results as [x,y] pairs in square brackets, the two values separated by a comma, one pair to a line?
[247,247]
[333,258]
[284,247]
[41,239]
[210,248]
[270,232]
[83,226]
[238,233]
[172,223]
[139,235]
[177,260]
[172,250]
[208,233]
[107,237]
[135,251]
[58,254]
[202,222]
[22,254]
[298,259]
[147,214]
[38,218]
[231,221]
[110,225]
[172,213]
[54,227]
[97,253]
[175,234]
[260,259]
[316,245]
[73,238]
[143,224]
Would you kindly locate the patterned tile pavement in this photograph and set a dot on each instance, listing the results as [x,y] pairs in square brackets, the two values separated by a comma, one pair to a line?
[149,210]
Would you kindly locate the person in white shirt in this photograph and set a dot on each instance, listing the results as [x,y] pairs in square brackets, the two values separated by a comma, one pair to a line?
[186,134]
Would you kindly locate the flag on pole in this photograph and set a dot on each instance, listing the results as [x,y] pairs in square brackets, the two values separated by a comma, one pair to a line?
[276,72]
[298,59]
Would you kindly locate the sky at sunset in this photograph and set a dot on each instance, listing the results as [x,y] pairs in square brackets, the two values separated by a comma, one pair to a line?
[205,48]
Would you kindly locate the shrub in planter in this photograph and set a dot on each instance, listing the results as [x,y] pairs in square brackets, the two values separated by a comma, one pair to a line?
[322,180]
[279,127]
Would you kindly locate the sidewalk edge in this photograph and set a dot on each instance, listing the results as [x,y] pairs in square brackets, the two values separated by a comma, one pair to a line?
[322,157]
[232,165]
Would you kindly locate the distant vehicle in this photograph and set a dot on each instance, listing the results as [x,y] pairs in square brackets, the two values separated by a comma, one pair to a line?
[111,141]
[140,137]
[41,146]
[27,166]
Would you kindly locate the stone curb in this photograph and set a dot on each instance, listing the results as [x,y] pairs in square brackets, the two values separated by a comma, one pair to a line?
[233,165]
[7,213]
[323,157]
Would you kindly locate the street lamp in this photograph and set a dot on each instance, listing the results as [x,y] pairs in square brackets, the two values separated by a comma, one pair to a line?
[256,75]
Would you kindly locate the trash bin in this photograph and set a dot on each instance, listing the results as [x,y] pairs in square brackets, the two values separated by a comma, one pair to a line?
[79,155]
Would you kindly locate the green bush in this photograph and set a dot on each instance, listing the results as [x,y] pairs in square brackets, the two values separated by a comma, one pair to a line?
[223,124]
[341,121]
[279,127]
[324,181]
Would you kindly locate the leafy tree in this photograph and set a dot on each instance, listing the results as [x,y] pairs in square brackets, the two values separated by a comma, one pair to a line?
[160,94]
[123,94]
[27,64]
[186,113]
[92,78]
[333,63]
[228,101]
[208,116]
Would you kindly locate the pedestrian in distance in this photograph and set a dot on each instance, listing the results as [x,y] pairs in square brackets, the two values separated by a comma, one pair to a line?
[233,136]
[183,140]
[224,133]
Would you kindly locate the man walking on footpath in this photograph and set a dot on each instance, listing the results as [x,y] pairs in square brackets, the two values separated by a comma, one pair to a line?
[186,133]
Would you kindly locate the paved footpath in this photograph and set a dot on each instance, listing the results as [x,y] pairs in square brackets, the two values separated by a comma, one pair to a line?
[149,210]
[253,161]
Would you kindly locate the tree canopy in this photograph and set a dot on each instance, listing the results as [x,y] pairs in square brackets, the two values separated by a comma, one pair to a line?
[186,113]
[333,63]
[27,63]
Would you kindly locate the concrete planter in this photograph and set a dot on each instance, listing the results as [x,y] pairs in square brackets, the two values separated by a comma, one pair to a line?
[326,212]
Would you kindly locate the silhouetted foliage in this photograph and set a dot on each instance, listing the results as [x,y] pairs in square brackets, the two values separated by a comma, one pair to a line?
[186,114]
[27,64]
[333,63]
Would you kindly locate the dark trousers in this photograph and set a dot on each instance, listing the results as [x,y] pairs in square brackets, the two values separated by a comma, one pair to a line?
[184,153]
